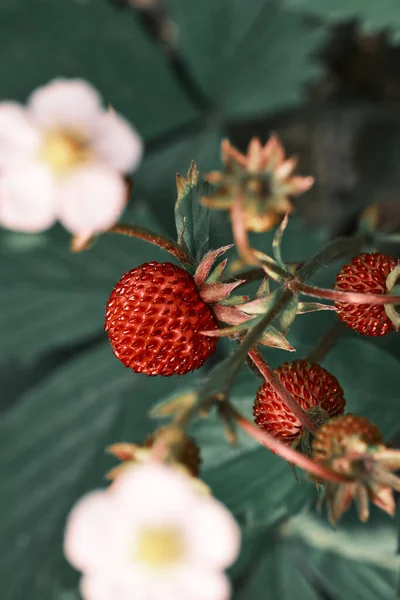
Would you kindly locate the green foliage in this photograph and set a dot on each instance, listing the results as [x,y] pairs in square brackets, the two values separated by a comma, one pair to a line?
[92,40]
[53,450]
[373,16]
[191,217]
[155,180]
[253,58]
[305,559]
[65,397]
[59,297]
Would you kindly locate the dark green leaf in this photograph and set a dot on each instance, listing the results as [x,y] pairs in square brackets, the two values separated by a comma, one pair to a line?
[52,451]
[50,296]
[307,560]
[249,58]
[93,40]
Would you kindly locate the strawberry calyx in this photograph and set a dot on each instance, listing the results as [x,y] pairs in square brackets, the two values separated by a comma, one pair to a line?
[353,447]
[229,309]
[266,178]
[392,310]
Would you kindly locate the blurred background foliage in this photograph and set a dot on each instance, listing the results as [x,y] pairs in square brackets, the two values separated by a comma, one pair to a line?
[323,74]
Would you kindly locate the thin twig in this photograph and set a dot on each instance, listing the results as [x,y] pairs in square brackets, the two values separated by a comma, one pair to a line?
[278,387]
[153,238]
[287,452]
[240,232]
[339,296]
[332,251]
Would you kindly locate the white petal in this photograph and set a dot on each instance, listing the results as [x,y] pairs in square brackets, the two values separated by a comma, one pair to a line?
[153,493]
[98,587]
[91,200]
[117,143]
[213,534]
[27,198]
[18,136]
[66,103]
[193,583]
[88,539]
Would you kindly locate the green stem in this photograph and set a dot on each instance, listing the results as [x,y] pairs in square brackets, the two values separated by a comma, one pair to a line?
[154,238]
[331,252]
[252,336]
[227,371]
[386,238]
[278,387]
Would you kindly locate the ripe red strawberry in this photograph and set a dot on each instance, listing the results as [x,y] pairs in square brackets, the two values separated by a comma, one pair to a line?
[366,273]
[311,385]
[154,318]
[330,439]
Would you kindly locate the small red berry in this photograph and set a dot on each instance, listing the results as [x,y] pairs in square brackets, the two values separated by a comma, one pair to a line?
[154,318]
[330,440]
[367,273]
[311,385]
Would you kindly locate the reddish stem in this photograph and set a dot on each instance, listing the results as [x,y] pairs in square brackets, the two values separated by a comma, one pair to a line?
[339,296]
[154,238]
[286,452]
[240,233]
[278,387]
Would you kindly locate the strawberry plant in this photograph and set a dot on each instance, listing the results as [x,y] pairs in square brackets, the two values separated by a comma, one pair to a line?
[218,359]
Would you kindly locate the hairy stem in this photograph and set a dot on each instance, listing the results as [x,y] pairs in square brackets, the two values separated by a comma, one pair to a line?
[339,296]
[278,387]
[269,441]
[332,251]
[154,238]
[240,232]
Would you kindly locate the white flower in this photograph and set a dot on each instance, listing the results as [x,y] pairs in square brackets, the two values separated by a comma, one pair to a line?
[62,157]
[151,536]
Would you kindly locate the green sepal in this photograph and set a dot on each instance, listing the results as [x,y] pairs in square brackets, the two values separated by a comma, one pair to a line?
[288,314]
[277,242]
[191,217]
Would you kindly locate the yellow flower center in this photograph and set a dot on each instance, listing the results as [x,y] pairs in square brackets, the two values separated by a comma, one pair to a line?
[64,150]
[159,546]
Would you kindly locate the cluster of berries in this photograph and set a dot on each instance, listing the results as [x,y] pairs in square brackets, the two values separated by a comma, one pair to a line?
[156,318]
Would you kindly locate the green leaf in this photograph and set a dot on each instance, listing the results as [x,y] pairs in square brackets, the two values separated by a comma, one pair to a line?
[191,217]
[96,41]
[258,486]
[305,559]
[369,377]
[249,58]
[51,297]
[154,182]
[53,450]
[373,16]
